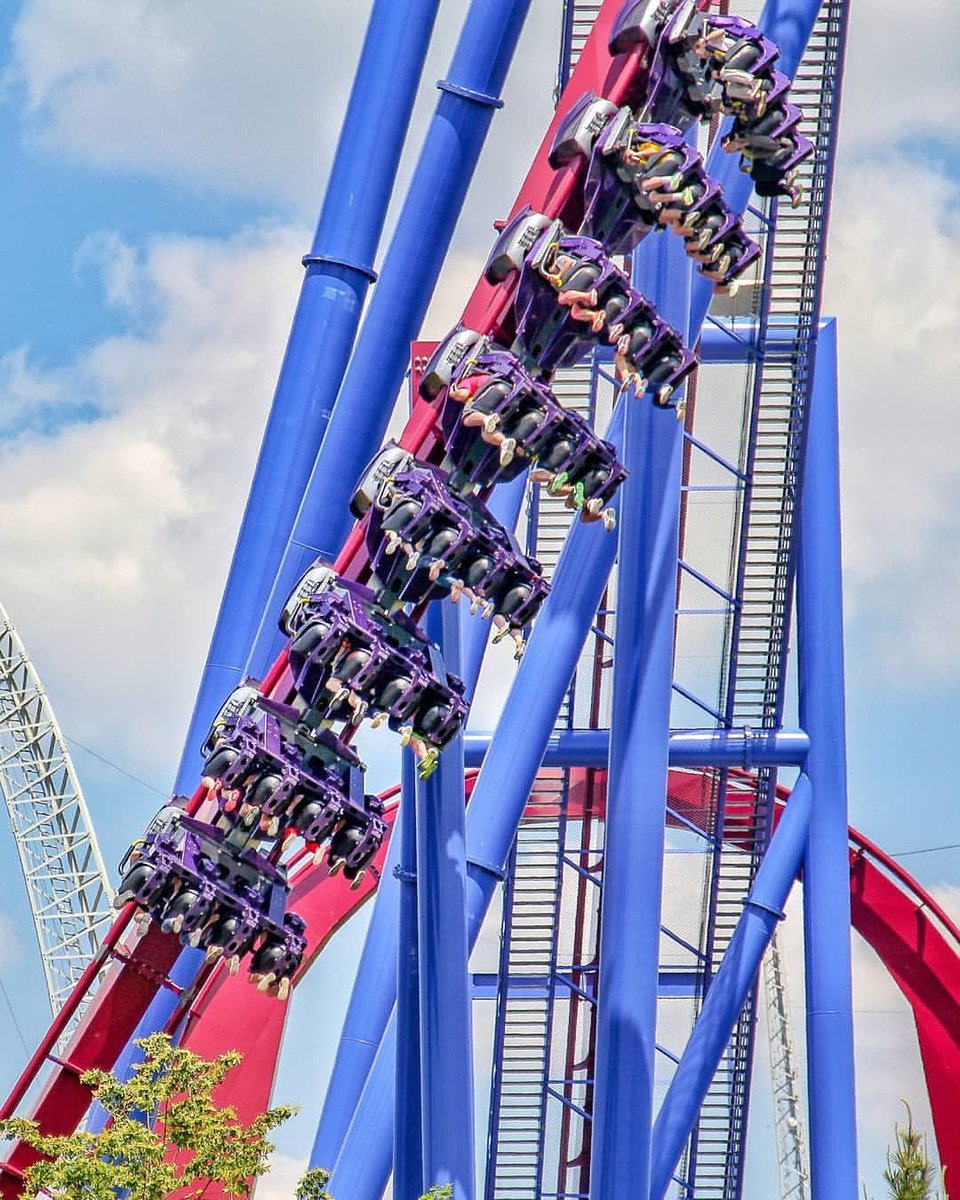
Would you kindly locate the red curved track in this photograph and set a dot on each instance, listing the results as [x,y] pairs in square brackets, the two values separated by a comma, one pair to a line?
[914,938]
[919,945]
[126,990]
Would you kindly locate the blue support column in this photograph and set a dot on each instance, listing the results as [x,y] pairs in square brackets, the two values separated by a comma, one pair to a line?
[738,972]
[407,1131]
[826,870]
[636,805]
[339,270]
[469,98]
[371,1003]
[639,762]
[446,1035]
[496,805]
[359,420]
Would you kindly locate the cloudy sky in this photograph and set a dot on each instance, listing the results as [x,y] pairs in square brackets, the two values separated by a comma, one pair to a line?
[163,165]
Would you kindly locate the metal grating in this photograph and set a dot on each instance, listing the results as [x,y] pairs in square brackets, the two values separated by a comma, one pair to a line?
[758,641]
[578,19]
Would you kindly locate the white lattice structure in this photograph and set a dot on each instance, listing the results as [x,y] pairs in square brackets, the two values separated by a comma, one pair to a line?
[788,1106]
[66,882]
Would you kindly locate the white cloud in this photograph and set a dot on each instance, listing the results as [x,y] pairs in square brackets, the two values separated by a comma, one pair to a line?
[894,283]
[243,98]
[117,532]
[234,95]
[117,266]
[280,1181]
[899,77]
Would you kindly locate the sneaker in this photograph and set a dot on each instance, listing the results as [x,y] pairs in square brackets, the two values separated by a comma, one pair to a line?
[428,764]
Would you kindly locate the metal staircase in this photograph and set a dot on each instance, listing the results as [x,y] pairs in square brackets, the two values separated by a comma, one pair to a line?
[524,1012]
[531,906]
[578,19]
[528,976]
[758,633]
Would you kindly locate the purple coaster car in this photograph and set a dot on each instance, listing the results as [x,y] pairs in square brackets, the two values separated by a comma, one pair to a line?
[571,296]
[493,409]
[352,659]
[424,542]
[188,876]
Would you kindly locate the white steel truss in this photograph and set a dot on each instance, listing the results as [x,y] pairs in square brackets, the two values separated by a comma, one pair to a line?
[788,1106]
[70,898]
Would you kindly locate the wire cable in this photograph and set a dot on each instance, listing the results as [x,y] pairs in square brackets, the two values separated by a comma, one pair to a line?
[108,762]
[13,1018]
[926,850]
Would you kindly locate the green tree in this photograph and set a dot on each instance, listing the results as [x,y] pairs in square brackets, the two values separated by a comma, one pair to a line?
[174,1087]
[909,1174]
[313,1185]
[186,1143]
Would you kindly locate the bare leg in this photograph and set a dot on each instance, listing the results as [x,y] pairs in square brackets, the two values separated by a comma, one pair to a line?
[590,316]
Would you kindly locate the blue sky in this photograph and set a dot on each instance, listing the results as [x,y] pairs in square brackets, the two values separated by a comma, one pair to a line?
[162,169]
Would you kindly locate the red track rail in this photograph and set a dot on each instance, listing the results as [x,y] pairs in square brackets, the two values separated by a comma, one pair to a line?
[914,938]
[917,942]
[125,993]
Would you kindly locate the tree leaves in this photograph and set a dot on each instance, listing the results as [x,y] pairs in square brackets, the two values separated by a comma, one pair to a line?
[166,1133]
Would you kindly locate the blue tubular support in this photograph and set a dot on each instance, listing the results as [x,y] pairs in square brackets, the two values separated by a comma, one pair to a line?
[638,763]
[745,749]
[363,1167]
[339,270]
[371,1003]
[497,804]
[446,1038]
[636,805]
[397,307]
[826,870]
[732,983]
[407,1139]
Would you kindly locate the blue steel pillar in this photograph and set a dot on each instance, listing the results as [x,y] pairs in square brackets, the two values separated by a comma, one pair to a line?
[636,804]
[763,908]
[339,270]
[407,1136]
[371,1003]
[446,1039]
[826,869]
[469,98]
[497,803]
